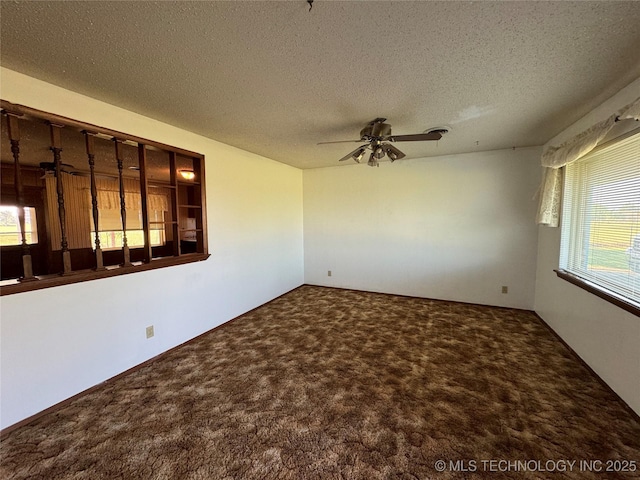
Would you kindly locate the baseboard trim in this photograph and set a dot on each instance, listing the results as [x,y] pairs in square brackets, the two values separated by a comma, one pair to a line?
[591,370]
[421,298]
[32,418]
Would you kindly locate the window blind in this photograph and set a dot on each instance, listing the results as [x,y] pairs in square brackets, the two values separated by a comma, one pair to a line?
[601,218]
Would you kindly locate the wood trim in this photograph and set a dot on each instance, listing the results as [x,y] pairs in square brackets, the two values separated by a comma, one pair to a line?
[175,224]
[7,430]
[13,129]
[69,122]
[599,292]
[630,410]
[10,287]
[144,201]
[89,148]
[203,204]
[126,253]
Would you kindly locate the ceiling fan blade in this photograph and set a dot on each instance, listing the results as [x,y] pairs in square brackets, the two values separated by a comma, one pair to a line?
[358,152]
[339,141]
[52,165]
[417,137]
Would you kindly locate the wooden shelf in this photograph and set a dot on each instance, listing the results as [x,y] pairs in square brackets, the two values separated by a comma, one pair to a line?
[10,287]
[160,185]
[190,206]
[163,223]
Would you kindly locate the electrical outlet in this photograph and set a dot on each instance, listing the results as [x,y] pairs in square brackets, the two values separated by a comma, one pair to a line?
[328,273]
[150,331]
[505,289]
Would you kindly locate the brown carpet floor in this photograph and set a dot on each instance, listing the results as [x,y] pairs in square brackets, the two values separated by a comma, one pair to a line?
[332,384]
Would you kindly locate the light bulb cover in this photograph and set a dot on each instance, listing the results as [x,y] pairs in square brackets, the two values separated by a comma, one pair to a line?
[187,174]
[357,156]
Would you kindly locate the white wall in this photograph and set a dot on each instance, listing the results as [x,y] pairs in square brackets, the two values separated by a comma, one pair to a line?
[455,227]
[59,341]
[605,336]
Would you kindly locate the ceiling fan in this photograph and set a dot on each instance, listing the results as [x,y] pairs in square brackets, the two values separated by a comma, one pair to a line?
[50,168]
[376,133]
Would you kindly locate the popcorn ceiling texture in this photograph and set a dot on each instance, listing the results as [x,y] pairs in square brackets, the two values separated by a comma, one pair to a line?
[272,78]
[333,384]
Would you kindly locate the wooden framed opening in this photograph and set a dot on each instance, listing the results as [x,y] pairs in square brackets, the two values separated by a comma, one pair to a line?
[80,202]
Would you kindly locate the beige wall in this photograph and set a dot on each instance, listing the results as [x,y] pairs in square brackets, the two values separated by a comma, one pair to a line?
[60,341]
[605,336]
[455,227]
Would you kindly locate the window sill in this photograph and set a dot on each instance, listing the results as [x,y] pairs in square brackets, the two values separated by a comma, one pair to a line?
[9,287]
[619,301]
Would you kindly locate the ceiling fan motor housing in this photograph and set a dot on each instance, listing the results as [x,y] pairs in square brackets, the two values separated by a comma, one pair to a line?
[375,129]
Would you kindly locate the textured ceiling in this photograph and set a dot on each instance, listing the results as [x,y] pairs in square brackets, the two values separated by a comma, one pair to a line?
[275,78]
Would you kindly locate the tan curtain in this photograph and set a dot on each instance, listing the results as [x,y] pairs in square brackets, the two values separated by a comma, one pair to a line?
[77,224]
[554,158]
[77,201]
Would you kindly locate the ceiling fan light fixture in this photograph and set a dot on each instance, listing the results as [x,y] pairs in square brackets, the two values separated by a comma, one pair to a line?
[357,156]
[373,161]
[378,152]
[187,174]
[393,153]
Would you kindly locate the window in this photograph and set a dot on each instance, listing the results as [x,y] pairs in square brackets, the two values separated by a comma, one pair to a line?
[112,235]
[96,202]
[10,226]
[601,221]
[110,214]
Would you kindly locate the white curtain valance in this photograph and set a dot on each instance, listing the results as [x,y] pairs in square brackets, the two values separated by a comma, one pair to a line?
[554,158]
